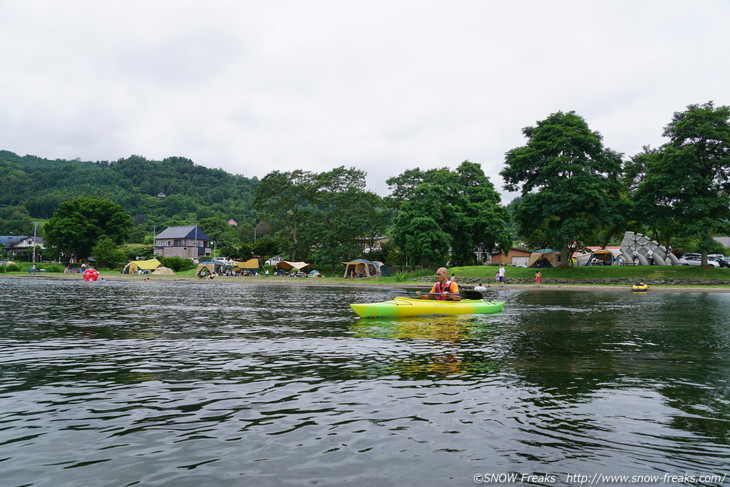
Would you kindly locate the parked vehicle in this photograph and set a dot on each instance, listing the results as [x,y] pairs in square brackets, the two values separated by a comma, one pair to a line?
[720,259]
[696,259]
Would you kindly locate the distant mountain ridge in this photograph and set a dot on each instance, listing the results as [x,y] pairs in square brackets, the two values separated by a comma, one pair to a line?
[156,193]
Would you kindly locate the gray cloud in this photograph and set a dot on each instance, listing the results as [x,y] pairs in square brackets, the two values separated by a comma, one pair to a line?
[383,86]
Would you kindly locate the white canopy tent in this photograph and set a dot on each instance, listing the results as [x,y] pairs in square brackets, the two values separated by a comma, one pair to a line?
[299,266]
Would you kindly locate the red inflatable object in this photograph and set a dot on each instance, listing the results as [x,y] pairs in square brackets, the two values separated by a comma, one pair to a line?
[91,275]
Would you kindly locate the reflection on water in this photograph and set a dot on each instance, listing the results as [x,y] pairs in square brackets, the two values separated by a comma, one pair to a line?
[443,336]
[226,383]
[436,328]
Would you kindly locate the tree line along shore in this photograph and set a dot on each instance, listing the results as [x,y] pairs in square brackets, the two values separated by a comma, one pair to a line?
[574,191]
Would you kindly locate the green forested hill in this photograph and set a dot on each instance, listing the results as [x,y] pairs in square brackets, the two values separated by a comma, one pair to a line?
[31,188]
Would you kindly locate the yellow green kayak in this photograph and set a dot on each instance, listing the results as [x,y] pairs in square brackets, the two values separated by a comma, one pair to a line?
[420,307]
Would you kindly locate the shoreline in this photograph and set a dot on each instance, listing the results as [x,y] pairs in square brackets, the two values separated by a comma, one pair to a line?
[312,281]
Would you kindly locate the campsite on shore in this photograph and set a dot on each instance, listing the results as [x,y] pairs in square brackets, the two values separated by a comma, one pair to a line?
[660,278]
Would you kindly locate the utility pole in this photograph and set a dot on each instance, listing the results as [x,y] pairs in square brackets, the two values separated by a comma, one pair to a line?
[35,232]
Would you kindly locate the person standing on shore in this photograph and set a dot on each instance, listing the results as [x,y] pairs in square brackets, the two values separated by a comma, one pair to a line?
[501,274]
[443,290]
[538,277]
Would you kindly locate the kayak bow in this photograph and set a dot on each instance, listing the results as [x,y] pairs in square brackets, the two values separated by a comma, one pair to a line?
[421,307]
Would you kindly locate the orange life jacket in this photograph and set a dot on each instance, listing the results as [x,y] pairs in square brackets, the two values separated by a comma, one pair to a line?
[441,288]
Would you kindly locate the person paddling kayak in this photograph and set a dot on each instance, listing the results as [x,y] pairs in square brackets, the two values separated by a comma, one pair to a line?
[443,289]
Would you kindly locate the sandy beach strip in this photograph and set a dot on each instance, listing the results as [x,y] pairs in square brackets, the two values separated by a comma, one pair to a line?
[316,281]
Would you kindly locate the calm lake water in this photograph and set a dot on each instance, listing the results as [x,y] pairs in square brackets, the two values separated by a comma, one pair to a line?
[231,384]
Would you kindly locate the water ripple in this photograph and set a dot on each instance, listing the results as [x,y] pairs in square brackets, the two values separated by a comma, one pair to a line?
[193,384]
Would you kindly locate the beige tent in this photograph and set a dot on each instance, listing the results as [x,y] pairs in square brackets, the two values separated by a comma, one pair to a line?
[249,265]
[363,268]
[163,271]
[210,268]
[603,257]
[292,265]
[141,265]
[543,258]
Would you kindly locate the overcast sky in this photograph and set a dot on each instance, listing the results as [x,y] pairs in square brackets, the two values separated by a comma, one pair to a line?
[383,86]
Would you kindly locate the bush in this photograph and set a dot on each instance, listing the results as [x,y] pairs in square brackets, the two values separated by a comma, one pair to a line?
[53,268]
[133,251]
[107,254]
[401,276]
[265,246]
[422,273]
[12,268]
[177,264]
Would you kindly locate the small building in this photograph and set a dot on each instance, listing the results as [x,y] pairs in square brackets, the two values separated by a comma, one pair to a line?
[515,257]
[9,243]
[15,245]
[188,242]
[29,242]
[369,244]
[9,240]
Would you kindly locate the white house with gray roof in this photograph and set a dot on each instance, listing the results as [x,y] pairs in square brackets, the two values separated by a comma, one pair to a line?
[188,242]
[13,245]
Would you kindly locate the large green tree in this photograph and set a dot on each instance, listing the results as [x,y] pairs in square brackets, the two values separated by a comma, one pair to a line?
[645,187]
[320,215]
[486,220]
[78,225]
[344,213]
[421,240]
[285,200]
[223,234]
[107,253]
[568,180]
[447,215]
[15,220]
[687,182]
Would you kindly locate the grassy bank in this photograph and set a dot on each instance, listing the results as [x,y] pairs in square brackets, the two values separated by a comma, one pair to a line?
[598,272]
[599,275]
